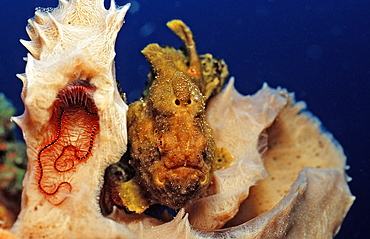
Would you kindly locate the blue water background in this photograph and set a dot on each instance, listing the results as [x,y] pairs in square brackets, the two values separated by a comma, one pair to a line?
[319,49]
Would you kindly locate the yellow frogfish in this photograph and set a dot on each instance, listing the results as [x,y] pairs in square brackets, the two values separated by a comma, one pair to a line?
[171,147]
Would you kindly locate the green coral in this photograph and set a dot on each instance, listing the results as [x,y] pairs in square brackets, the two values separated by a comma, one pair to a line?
[13,160]
[6,111]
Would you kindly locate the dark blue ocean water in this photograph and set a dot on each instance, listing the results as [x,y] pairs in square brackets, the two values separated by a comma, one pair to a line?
[320,49]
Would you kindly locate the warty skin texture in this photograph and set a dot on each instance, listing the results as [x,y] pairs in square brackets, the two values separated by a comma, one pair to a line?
[171,145]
